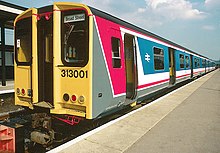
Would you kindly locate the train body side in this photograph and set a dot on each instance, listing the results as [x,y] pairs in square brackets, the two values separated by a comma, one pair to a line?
[102,88]
[109,83]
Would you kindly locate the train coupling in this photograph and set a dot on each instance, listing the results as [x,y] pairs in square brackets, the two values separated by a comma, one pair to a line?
[42,129]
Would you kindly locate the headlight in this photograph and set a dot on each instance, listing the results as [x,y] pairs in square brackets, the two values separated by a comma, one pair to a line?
[81,99]
[66,97]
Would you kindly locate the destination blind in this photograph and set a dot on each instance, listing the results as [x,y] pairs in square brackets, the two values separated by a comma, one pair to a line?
[74,18]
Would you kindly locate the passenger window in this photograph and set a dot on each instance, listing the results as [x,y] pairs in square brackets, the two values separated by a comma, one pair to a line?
[158,59]
[187,61]
[181,61]
[116,58]
[196,62]
[203,63]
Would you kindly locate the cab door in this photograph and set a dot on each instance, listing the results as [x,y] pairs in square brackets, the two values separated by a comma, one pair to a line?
[130,66]
[26,58]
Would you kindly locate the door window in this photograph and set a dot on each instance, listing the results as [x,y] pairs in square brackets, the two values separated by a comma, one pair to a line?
[23,41]
[116,57]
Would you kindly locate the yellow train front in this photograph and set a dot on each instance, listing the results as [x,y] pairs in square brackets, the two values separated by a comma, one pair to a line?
[52,65]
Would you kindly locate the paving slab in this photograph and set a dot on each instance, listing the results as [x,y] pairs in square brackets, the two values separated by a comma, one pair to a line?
[193,126]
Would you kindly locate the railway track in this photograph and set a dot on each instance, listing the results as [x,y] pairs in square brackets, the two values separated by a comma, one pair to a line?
[4,116]
[7,115]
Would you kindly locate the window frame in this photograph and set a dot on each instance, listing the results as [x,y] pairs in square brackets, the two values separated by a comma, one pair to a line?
[187,63]
[155,47]
[182,65]
[23,63]
[203,63]
[115,58]
[75,12]
[196,62]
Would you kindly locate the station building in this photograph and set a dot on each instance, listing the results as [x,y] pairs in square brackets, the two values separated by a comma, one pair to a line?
[8,12]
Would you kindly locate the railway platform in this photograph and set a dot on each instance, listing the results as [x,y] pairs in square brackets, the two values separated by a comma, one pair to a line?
[9,88]
[185,120]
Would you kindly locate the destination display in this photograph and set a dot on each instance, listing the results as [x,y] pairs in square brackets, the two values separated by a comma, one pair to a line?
[74,18]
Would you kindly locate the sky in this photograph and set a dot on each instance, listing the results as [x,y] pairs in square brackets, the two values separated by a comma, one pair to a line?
[194,24]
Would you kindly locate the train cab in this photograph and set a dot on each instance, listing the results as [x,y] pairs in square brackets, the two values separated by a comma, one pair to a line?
[53,59]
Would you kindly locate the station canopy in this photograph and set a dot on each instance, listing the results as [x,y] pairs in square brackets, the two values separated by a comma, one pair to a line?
[8,12]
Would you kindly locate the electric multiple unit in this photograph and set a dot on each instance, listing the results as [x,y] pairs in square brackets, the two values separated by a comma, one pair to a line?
[77,60]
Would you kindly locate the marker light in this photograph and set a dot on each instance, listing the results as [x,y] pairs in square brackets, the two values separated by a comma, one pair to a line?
[73,98]
[81,99]
[47,16]
[23,91]
[66,97]
[18,91]
[29,92]
[38,17]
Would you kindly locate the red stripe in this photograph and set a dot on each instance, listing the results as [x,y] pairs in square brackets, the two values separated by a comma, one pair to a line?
[181,76]
[159,82]
[152,83]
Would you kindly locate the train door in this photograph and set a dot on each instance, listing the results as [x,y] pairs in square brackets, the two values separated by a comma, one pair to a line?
[45,60]
[191,65]
[26,58]
[172,66]
[131,66]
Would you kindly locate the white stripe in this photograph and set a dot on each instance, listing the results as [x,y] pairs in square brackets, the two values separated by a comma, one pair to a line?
[153,40]
[11,10]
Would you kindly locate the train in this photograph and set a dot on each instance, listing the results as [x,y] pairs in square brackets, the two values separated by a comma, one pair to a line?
[80,63]
[74,59]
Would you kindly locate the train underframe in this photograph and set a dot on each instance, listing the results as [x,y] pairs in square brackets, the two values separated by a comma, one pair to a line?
[26,131]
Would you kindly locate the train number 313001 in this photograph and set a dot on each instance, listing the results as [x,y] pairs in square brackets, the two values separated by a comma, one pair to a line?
[74,73]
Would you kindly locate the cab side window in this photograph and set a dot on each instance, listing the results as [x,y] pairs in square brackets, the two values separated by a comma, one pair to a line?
[116,57]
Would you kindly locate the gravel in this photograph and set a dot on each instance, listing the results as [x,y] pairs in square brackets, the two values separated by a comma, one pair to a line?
[7,103]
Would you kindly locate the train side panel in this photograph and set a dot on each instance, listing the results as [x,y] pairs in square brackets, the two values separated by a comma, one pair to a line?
[109,85]
[153,70]
[183,70]
[109,82]
[196,66]
[106,79]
